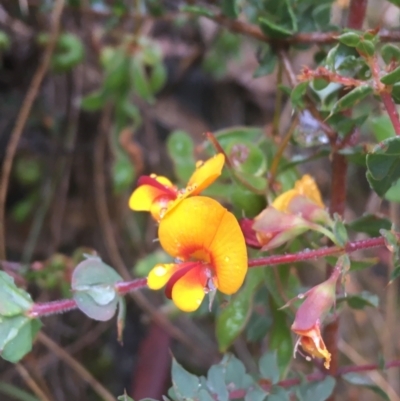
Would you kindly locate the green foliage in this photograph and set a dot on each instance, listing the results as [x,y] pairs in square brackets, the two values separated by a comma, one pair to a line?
[364,381]
[383,165]
[233,318]
[17,331]
[93,286]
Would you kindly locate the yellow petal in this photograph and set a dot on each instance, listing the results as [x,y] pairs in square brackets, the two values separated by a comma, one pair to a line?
[229,255]
[281,203]
[160,274]
[314,345]
[188,292]
[189,229]
[205,174]
[154,187]
[307,186]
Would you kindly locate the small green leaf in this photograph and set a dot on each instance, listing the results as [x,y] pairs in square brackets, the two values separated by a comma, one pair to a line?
[116,65]
[280,338]
[255,393]
[69,52]
[382,127]
[158,77]
[123,173]
[316,391]
[366,48]
[391,240]
[363,264]
[198,10]
[394,274]
[13,300]
[383,165]
[139,79]
[5,41]
[340,232]
[124,397]
[390,53]
[184,383]
[297,94]
[274,30]
[364,381]
[16,336]
[370,224]
[230,8]
[361,300]
[350,39]
[391,78]
[94,101]
[93,285]
[216,382]
[267,65]
[234,317]
[351,98]
[180,148]
[268,367]
[319,84]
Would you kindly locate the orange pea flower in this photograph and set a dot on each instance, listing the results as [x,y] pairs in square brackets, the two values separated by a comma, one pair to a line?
[209,249]
[157,195]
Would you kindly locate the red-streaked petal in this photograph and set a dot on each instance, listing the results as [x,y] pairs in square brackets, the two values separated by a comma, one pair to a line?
[160,274]
[188,292]
[183,269]
[148,191]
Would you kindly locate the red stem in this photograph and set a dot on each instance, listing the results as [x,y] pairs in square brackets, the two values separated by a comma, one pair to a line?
[391,110]
[316,253]
[235,394]
[357,12]
[65,305]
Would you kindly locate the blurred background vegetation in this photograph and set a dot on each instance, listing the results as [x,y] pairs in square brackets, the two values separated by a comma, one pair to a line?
[132,88]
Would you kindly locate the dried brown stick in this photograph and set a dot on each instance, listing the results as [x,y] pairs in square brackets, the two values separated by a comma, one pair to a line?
[81,371]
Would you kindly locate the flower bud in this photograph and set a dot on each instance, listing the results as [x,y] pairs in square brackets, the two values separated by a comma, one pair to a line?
[318,302]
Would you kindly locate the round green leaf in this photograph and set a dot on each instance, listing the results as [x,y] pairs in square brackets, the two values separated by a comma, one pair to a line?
[391,78]
[93,285]
[16,336]
[350,39]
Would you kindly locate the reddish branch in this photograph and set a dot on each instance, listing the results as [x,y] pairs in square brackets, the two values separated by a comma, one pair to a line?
[319,376]
[391,110]
[65,305]
[311,38]
[317,253]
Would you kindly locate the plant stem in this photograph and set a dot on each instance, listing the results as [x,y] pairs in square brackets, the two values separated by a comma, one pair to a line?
[235,394]
[391,110]
[317,253]
[255,32]
[65,305]
[124,287]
